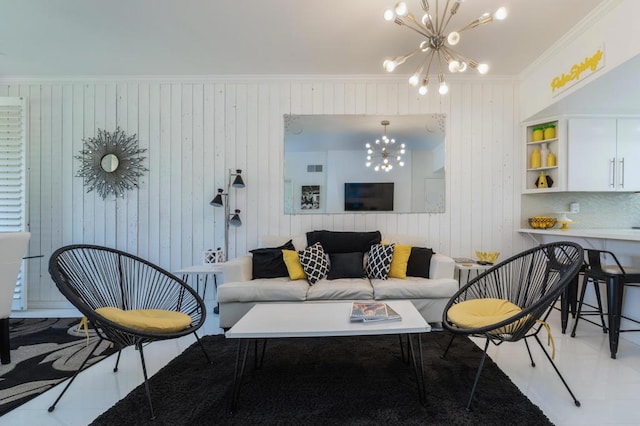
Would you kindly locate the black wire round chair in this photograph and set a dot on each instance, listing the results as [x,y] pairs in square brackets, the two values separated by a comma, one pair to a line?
[93,277]
[532,281]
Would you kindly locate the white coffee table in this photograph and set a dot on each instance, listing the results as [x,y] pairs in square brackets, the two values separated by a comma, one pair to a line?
[323,319]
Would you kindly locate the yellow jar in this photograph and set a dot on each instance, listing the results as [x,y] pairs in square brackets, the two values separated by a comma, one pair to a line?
[538,134]
[550,131]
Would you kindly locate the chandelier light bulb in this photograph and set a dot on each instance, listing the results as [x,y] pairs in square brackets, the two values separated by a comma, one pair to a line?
[500,14]
[454,66]
[483,68]
[401,9]
[443,89]
[389,15]
[453,38]
[424,46]
[389,65]
[367,145]
[368,164]
[414,79]
[389,167]
[463,67]
[423,90]
[369,151]
[401,163]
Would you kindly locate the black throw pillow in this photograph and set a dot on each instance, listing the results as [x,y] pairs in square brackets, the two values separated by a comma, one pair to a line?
[269,263]
[419,262]
[346,265]
[344,242]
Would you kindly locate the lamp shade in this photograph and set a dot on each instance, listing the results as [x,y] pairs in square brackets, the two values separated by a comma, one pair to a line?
[235,219]
[217,200]
[238,182]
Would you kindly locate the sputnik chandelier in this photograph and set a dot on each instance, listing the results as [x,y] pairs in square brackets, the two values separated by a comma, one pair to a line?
[437,45]
[383,151]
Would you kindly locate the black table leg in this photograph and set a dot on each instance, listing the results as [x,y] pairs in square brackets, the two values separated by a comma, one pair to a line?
[241,360]
[615,291]
[418,366]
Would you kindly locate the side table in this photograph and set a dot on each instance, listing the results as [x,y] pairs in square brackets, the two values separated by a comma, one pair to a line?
[205,270]
[464,272]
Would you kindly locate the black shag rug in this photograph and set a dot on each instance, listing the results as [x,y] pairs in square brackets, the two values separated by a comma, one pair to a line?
[328,381]
[44,352]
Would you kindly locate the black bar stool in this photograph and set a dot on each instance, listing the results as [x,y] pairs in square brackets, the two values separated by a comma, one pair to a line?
[595,310]
[603,266]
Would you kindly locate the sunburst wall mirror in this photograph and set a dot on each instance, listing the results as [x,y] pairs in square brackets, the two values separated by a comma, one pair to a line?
[111,163]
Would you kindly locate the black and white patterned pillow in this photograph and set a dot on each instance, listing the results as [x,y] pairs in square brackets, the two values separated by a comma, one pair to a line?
[379,262]
[314,262]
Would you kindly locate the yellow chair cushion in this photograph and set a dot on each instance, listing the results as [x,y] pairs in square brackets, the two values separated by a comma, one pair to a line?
[478,313]
[401,253]
[147,320]
[294,267]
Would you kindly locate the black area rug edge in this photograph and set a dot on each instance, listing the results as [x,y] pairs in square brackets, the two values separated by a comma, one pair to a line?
[358,380]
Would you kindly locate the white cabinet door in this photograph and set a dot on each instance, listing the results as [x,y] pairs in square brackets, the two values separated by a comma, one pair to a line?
[591,154]
[628,158]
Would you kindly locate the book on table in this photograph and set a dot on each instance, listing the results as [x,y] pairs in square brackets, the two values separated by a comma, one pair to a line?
[372,311]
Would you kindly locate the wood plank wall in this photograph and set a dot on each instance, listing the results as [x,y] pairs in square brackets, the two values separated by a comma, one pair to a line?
[196,130]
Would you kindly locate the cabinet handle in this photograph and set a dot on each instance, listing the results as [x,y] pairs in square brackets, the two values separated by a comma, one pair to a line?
[622,172]
[612,172]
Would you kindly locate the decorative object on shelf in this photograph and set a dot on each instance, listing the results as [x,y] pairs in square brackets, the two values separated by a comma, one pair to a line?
[436,46]
[544,154]
[565,221]
[536,159]
[222,200]
[542,222]
[544,181]
[551,160]
[111,163]
[212,256]
[487,257]
[383,152]
[537,134]
[550,131]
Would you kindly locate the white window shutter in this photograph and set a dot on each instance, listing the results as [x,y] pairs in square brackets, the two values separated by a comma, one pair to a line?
[13,178]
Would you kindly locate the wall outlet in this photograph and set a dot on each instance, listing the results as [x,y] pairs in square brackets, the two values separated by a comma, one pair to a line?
[574,207]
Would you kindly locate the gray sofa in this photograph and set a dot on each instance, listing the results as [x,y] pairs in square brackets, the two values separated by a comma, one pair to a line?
[239,291]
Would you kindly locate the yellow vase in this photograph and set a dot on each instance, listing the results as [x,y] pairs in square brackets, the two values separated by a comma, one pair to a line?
[536,159]
[551,160]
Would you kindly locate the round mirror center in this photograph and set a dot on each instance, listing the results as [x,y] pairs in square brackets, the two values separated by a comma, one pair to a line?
[109,163]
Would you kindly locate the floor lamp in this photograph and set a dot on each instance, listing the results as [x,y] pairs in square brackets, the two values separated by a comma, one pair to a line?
[222,200]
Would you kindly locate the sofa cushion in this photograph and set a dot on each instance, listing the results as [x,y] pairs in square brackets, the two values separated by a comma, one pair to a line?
[344,242]
[269,263]
[414,288]
[379,260]
[419,262]
[342,289]
[263,290]
[291,259]
[346,265]
[314,262]
[401,254]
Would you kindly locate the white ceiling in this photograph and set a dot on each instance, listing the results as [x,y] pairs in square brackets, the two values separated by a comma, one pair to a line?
[256,37]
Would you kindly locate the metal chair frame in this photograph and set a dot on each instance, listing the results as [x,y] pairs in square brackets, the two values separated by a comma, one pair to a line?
[91,277]
[532,280]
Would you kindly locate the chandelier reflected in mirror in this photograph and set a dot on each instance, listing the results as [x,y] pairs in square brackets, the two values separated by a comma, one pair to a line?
[384,152]
[437,44]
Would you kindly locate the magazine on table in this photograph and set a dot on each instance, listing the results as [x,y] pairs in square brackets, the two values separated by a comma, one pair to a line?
[373,311]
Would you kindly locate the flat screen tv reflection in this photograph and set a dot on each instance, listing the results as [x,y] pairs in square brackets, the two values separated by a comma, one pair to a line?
[368,196]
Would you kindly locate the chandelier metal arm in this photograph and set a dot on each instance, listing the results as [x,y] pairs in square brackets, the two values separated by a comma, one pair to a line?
[420,29]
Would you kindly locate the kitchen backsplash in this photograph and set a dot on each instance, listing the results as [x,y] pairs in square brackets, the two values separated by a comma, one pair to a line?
[597,209]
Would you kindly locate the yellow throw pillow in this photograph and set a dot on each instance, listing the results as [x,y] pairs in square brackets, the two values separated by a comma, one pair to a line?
[291,259]
[478,313]
[399,261]
[147,320]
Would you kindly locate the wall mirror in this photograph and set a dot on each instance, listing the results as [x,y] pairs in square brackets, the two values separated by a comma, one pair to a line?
[326,156]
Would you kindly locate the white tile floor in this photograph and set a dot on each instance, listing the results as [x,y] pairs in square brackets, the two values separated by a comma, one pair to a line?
[608,389]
